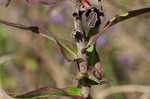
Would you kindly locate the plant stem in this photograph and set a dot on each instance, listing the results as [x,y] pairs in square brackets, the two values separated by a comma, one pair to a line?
[81,44]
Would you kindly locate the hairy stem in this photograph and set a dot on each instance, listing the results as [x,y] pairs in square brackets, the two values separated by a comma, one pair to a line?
[81,44]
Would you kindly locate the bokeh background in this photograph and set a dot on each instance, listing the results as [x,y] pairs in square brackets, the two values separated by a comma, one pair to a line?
[27,61]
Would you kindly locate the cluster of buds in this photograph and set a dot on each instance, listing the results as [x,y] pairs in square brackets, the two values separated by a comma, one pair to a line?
[92,14]
[88,18]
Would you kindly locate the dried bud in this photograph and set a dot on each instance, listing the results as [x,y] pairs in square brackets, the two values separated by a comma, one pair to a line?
[93,17]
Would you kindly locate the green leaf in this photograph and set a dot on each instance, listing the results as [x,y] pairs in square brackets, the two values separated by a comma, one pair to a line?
[34,29]
[74,91]
[88,81]
[92,56]
[51,91]
[68,49]
[127,15]
[43,93]
[117,19]
[90,49]
[124,14]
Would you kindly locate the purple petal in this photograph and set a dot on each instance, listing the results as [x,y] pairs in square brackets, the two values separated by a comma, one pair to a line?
[125,60]
[101,41]
[59,18]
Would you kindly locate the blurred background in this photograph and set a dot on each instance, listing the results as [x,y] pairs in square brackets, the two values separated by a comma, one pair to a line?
[28,62]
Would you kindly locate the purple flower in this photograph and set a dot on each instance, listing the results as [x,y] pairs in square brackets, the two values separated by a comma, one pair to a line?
[101,41]
[58,18]
[103,38]
[125,60]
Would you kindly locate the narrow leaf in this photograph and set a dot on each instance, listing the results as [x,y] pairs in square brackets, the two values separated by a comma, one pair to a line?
[43,93]
[51,91]
[34,29]
[90,49]
[67,52]
[117,19]
[73,91]
[68,49]
[127,15]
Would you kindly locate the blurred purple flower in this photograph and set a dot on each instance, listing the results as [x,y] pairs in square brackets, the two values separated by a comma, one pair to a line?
[101,41]
[60,58]
[111,29]
[125,60]
[58,18]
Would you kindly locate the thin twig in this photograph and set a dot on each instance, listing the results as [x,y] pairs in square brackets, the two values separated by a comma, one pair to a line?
[117,19]
[124,88]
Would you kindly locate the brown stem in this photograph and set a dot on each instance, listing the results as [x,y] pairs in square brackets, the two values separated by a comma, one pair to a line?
[81,44]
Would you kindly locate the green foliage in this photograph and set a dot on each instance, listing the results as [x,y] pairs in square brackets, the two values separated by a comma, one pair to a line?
[116,19]
[32,64]
[42,93]
[90,49]
[74,91]
[69,51]
[127,15]
[50,91]
[3,40]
